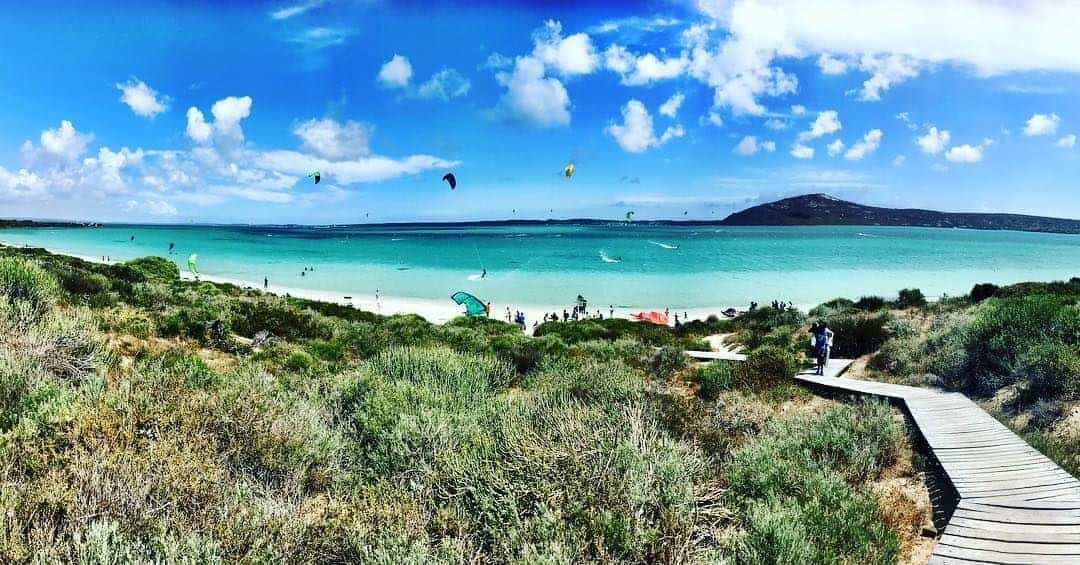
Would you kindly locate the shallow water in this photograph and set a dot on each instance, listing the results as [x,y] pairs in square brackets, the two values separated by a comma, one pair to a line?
[627,265]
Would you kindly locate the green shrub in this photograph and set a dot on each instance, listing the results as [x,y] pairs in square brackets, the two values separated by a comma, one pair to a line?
[667,361]
[982,291]
[910,298]
[299,361]
[252,315]
[769,365]
[525,352]
[1052,370]
[899,356]
[870,303]
[832,308]
[408,329]
[25,281]
[83,283]
[714,378]
[858,334]
[157,269]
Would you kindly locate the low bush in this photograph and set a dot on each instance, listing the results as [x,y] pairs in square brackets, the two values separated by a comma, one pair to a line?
[156,269]
[858,334]
[273,314]
[870,303]
[910,298]
[1052,371]
[769,365]
[982,291]
[525,352]
[714,378]
[667,361]
[24,281]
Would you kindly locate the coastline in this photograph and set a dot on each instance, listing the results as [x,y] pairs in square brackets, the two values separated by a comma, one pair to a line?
[437,311]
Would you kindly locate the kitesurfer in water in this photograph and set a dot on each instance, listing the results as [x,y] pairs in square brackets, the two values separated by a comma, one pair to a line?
[483,274]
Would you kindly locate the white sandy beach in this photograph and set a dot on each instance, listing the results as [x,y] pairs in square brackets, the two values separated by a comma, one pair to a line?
[436,311]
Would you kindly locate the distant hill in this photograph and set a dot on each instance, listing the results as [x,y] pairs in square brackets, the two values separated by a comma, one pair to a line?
[825,210]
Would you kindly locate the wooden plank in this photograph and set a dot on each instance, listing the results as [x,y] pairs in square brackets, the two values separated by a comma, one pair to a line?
[1025,515]
[989,556]
[1011,527]
[1023,548]
[1031,536]
[1017,517]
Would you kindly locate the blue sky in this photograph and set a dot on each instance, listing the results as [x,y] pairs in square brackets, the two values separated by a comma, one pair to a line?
[200,112]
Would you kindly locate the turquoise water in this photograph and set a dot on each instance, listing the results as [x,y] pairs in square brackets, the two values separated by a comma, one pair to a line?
[677,266]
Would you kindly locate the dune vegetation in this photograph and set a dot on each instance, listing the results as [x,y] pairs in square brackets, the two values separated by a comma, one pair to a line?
[1015,349]
[144,418]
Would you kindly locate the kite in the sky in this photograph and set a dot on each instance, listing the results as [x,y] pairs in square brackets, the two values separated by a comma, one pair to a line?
[171,246]
[568,170]
[191,264]
[473,305]
[629,216]
[316,175]
[451,180]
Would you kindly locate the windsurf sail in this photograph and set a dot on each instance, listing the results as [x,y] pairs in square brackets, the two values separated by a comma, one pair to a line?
[473,305]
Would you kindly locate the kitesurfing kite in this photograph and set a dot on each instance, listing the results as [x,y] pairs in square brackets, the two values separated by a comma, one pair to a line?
[473,305]
[629,216]
[191,264]
[568,170]
[171,246]
[451,180]
[315,175]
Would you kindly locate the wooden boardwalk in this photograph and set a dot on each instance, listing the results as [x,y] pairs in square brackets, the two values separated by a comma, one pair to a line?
[1015,505]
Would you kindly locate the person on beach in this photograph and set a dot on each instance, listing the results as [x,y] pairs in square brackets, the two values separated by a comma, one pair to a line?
[266,283]
[487,309]
[611,311]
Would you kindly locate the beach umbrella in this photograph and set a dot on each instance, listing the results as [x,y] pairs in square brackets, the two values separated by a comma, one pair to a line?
[451,180]
[473,305]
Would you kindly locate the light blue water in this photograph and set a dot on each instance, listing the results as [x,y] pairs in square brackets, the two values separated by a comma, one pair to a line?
[552,264]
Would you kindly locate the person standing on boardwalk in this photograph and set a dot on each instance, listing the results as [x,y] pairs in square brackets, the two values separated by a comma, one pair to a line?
[823,338]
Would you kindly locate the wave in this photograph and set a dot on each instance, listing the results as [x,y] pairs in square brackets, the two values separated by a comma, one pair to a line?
[664,245]
[861,234]
[397,238]
[606,259]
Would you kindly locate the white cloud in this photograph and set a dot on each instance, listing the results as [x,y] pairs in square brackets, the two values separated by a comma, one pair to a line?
[328,138]
[497,61]
[227,115]
[713,119]
[644,69]
[671,107]
[964,154]
[1068,141]
[800,151]
[142,99]
[369,169]
[532,97]
[636,133]
[864,147]
[831,65]
[826,123]
[899,160]
[934,141]
[892,41]
[151,207]
[287,12]
[444,85]
[768,146]
[1042,124]
[572,55]
[835,148]
[64,143]
[748,146]
[906,118]
[321,37]
[776,124]
[798,110]
[885,71]
[396,72]
[197,129]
